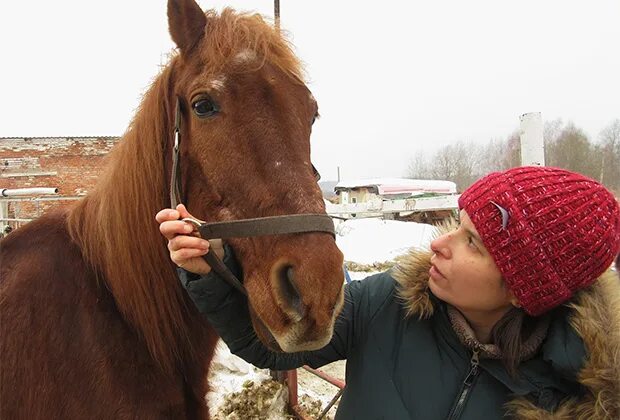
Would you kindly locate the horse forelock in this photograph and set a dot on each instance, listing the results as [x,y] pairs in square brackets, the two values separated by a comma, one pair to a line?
[116,230]
[245,38]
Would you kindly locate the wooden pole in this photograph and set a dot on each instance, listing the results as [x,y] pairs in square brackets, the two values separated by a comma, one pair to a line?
[276,13]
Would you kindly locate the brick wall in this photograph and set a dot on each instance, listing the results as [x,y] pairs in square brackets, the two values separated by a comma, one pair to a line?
[71,164]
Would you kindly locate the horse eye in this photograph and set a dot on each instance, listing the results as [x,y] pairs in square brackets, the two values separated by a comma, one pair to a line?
[204,107]
[315,117]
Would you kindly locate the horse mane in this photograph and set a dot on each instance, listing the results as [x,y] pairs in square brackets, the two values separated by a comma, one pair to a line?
[114,225]
[115,228]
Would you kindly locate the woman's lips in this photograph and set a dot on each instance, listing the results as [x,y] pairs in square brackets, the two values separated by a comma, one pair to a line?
[435,273]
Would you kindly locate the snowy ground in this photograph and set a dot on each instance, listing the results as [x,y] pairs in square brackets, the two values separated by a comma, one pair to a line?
[366,241]
[363,241]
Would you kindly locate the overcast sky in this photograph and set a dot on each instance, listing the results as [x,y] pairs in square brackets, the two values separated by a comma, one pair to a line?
[392,78]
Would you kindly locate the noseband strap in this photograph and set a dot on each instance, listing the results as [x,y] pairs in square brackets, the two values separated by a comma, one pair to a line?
[244,228]
[271,225]
[263,226]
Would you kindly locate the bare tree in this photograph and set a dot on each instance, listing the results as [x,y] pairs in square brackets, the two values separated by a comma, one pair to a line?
[610,155]
[419,167]
[510,152]
[552,130]
[566,146]
[572,150]
[459,162]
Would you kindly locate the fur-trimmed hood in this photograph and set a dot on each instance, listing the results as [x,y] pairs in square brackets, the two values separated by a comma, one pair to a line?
[594,314]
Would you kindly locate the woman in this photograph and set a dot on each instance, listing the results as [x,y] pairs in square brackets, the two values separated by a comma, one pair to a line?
[514,313]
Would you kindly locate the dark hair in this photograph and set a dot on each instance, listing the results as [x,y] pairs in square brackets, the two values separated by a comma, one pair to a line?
[509,334]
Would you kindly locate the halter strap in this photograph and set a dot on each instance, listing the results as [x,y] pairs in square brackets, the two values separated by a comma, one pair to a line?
[220,268]
[175,178]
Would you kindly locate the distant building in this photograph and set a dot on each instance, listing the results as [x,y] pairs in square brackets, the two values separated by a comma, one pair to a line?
[327,188]
[71,164]
[416,200]
[363,190]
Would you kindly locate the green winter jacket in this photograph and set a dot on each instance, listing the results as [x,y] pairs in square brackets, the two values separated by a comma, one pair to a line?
[404,360]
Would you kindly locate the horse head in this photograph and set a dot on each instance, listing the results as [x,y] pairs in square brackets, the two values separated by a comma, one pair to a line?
[246,118]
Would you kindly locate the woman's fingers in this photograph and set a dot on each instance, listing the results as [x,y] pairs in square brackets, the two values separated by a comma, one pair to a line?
[186,249]
[183,256]
[166,214]
[172,228]
[172,214]
[184,241]
[187,252]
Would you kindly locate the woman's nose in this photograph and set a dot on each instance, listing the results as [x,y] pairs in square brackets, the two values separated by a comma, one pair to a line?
[441,246]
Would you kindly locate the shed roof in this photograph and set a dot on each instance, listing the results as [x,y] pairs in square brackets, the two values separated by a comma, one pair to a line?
[400,185]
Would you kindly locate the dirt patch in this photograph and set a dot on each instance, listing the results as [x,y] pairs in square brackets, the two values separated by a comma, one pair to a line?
[264,400]
[319,390]
[367,268]
[241,391]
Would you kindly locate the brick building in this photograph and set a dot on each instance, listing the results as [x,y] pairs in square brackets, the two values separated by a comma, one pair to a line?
[71,164]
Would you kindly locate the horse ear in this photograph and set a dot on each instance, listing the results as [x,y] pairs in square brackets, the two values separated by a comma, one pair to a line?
[186,23]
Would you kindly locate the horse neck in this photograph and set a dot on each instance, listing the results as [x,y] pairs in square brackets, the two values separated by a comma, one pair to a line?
[115,228]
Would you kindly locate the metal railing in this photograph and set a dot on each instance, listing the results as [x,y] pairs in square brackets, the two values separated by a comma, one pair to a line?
[20,206]
[289,378]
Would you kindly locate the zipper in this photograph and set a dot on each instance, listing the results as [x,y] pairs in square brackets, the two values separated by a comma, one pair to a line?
[465,391]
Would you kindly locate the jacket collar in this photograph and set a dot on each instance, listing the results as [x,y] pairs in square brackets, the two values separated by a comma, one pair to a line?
[468,337]
[590,323]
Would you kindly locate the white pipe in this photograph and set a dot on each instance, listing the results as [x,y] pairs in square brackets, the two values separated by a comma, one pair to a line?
[532,142]
[20,192]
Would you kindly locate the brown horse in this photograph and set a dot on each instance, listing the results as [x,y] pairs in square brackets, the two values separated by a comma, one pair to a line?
[95,324]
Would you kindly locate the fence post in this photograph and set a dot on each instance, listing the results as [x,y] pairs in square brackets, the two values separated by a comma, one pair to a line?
[4,214]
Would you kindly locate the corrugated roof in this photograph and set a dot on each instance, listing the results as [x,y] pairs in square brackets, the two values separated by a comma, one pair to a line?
[400,185]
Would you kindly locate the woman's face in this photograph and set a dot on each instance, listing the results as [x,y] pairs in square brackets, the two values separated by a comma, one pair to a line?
[464,274]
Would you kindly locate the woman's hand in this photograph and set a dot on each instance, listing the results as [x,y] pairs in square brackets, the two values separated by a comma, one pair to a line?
[185,246]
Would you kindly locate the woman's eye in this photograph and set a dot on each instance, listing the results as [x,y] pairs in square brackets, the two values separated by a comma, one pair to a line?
[204,107]
[470,242]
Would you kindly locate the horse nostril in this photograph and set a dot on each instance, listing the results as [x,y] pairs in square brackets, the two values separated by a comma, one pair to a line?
[293,305]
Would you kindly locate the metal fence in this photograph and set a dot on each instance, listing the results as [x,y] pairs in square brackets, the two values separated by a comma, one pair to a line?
[16,211]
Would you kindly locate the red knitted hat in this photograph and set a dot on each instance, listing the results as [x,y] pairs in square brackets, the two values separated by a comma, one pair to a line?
[550,231]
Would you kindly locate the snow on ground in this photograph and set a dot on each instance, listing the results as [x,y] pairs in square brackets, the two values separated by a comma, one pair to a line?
[363,241]
[366,241]
[227,375]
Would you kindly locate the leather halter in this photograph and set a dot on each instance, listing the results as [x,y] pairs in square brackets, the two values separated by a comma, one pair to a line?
[244,228]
